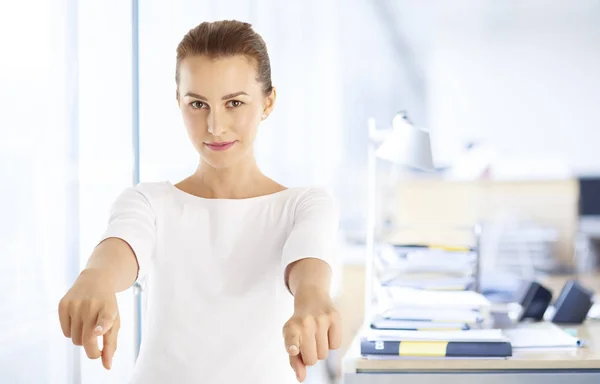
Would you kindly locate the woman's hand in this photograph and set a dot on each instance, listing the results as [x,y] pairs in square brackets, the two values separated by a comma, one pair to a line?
[313,330]
[89,310]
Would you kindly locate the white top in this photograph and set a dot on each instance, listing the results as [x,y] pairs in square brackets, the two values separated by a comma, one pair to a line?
[212,271]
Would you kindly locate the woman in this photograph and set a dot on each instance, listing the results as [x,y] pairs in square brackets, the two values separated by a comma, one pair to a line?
[235,267]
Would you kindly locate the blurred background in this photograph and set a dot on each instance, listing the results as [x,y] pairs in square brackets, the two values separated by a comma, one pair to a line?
[508,90]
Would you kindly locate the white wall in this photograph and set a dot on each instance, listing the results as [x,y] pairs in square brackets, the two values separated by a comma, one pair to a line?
[523,76]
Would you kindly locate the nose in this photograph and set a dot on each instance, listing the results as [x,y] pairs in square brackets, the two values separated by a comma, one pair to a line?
[215,124]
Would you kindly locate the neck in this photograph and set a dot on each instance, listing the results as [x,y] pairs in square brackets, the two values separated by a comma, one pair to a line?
[236,182]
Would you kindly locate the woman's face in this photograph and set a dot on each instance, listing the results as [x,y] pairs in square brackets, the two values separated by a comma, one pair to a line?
[222,104]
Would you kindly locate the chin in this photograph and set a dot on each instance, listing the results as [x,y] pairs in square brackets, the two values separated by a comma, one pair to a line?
[220,160]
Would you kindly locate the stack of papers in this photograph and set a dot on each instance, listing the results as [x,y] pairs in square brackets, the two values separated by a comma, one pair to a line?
[425,288]
[402,298]
[397,264]
[412,309]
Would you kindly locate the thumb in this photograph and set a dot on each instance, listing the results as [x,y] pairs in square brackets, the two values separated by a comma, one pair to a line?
[291,335]
[106,319]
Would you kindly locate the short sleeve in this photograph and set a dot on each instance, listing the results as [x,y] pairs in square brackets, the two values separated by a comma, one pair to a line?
[132,220]
[314,230]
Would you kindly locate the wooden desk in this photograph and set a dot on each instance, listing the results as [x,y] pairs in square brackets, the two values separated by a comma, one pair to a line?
[548,367]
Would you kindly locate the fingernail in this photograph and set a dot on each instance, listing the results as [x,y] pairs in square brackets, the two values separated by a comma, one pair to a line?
[293,348]
[98,329]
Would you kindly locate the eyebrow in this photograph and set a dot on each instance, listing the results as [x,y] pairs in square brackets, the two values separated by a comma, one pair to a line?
[229,96]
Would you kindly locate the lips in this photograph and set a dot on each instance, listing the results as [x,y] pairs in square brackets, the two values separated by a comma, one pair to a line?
[220,146]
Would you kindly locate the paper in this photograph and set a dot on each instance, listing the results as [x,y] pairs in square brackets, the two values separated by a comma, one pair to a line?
[439,284]
[452,269]
[417,325]
[398,357]
[540,335]
[408,297]
[428,260]
[594,312]
[437,256]
[469,335]
[437,315]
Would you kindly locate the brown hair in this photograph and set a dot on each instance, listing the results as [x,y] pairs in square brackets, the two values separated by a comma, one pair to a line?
[227,38]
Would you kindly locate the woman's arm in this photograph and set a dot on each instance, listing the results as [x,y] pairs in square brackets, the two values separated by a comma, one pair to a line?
[114,262]
[309,252]
[308,274]
[315,327]
[89,309]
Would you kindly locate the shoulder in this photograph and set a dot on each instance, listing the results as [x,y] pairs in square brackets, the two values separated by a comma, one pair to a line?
[149,193]
[314,201]
[313,194]
[153,190]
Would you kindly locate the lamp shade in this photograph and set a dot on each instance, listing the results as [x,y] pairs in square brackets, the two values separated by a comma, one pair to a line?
[406,145]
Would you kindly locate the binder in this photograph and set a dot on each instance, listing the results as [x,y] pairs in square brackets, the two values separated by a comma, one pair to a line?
[471,343]
[412,348]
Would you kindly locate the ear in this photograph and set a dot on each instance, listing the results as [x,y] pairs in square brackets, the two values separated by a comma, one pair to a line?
[177,98]
[269,102]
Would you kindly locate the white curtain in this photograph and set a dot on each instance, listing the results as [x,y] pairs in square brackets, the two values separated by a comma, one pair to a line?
[105,151]
[65,153]
[36,172]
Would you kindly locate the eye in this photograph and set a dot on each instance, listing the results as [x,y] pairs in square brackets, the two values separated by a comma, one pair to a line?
[197,104]
[234,103]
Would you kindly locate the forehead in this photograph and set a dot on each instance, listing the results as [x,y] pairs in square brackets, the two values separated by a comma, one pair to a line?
[205,75]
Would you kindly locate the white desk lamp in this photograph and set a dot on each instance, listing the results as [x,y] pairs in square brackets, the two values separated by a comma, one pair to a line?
[403,144]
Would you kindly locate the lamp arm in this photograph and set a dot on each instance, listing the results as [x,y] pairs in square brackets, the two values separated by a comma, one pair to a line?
[370,230]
